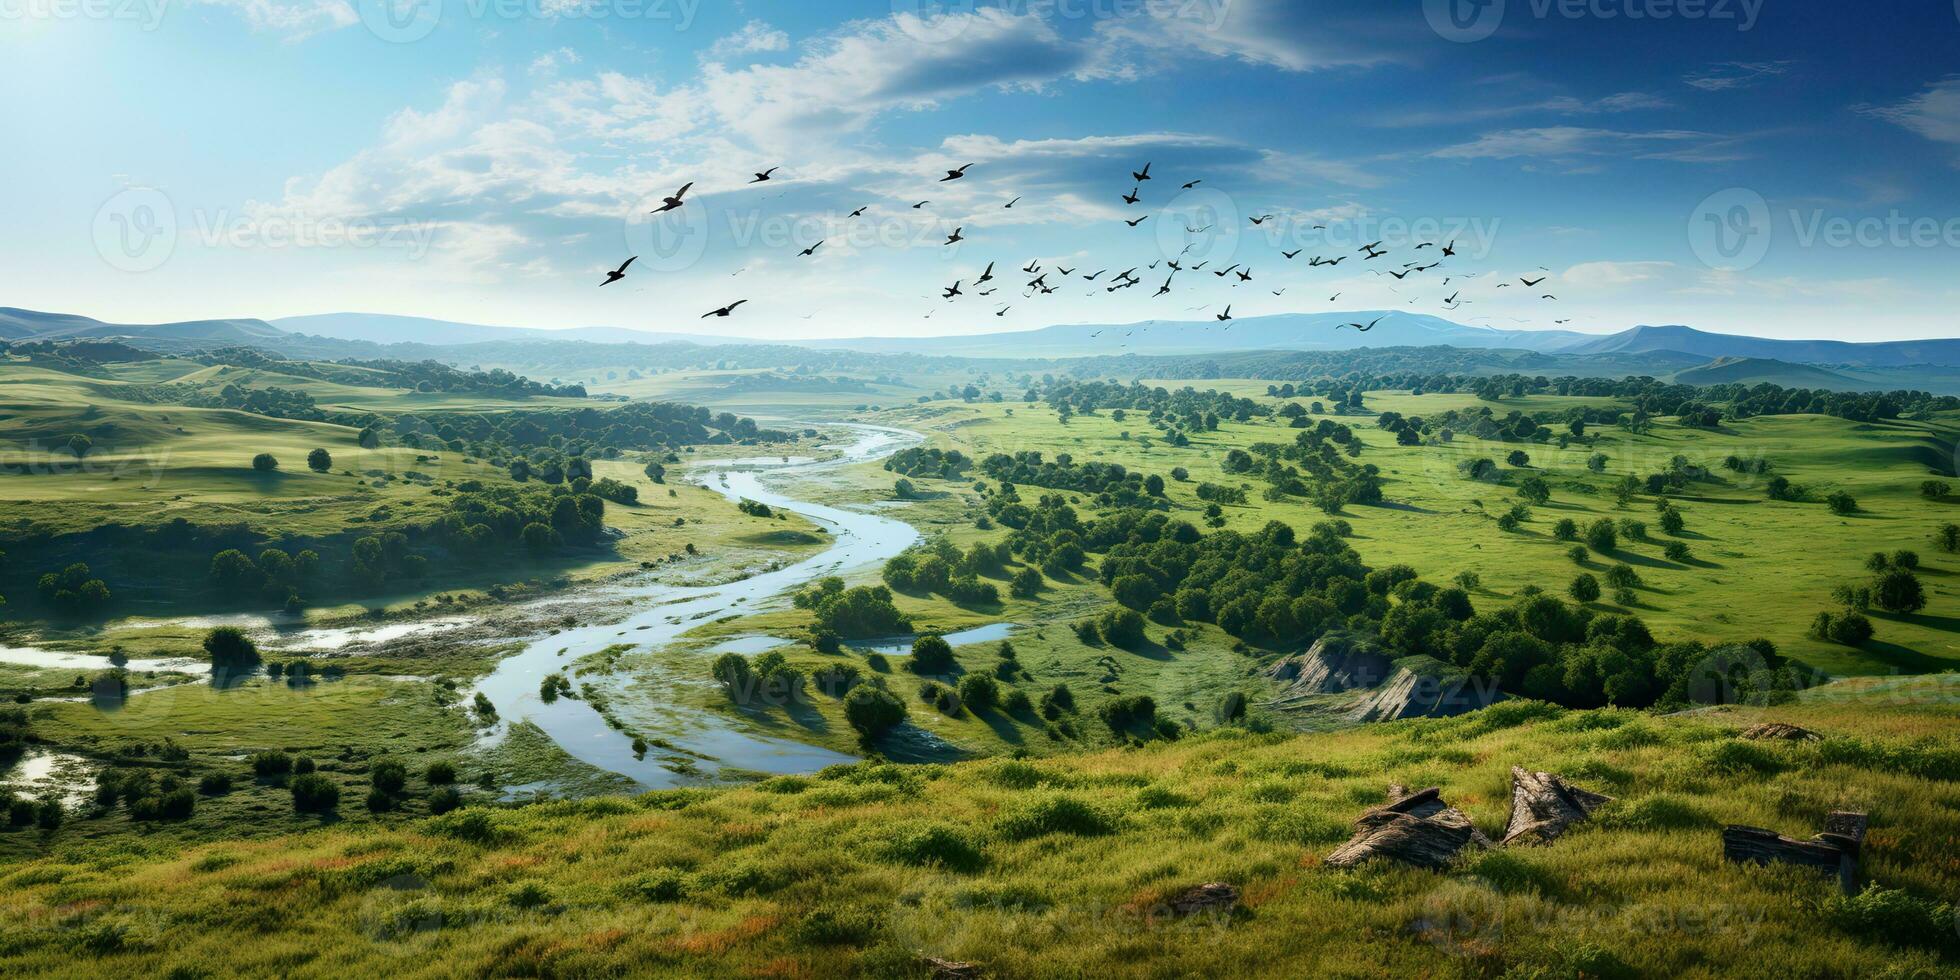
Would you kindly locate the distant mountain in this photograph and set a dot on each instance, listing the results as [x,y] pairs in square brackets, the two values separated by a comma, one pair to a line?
[17,324]
[1287,331]
[1756,370]
[383,328]
[1893,353]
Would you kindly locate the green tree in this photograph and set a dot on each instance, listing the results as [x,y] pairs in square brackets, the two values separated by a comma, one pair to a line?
[265,462]
[231,651]
[1898,591]
[931,654]
[1585,588]
[319,461]
[873,711]
[979,692]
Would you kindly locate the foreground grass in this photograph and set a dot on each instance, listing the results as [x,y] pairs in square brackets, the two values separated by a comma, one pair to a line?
[1045,869]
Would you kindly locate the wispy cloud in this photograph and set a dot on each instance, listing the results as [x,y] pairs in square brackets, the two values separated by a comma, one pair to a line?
[1934,113]
[1727,75]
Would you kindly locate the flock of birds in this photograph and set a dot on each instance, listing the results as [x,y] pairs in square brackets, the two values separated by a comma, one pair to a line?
[1233,276]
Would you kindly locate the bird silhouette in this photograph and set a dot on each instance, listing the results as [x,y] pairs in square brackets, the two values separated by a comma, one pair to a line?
[954,174]
[1142,175]
[859,213]
[1293,254]
[1227,315]
[987,276]
[955,238]
[1131,197]
[1137,222]
[1222,273]
[919,205]
[1450,249]
[670,203]
[765,175]
[1245,275]
[1193,183]
[1166,287]
[1092,276]
[1367,328]
[1032,267]
[728,310]
[1011,203]
[1370,249]
[619,273]
[953,290]
[1262,219]
[1002,311]
[1529,283]
[812,250]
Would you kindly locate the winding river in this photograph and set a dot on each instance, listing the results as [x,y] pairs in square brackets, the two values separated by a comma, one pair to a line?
[661,614]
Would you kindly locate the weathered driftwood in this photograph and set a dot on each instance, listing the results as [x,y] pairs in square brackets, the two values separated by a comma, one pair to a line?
[1779,731]
[1835,851]
[1215,897]
[1544,805]
[1417,829]
[1429,805]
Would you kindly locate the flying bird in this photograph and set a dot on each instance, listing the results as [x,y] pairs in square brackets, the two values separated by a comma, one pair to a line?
[1166,287]
[1222,273]
[1142,175]
[1193,183]
[764,175]
[953,290]
[1227,315]
[1137,222]
[1293,254]
[919,205]
[1002,311]
[1131,197]
[954,174]
[1011,203]
[859,213]
[955,237]
[812,250]
[1262,219]
[1529,283]
[1245,275]
[987,276]
[1367,328]
[619,273]
[724,311]
[1065,270]
[670,203]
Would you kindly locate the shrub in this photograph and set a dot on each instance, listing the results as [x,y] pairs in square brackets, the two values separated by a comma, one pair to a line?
[1893,916]
[319,461]
[1123,713]
[271,764]
[931,845]
[439,774]
[1053,813]
[931,654]
[660,885]
[1898,591]
[873,711]
[444,799]
[388,776]
[979,692]
[265,462]
[314,793]
[1841,503]
[215,784]
[1121,627]
[1677,551]
[230,649]
[1585,588]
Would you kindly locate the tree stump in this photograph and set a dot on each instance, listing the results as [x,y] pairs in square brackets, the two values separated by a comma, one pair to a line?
[1835,851]
[1544,805]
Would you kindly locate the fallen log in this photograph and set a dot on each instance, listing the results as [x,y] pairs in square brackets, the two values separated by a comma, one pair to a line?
[1835,851]
[1417,829]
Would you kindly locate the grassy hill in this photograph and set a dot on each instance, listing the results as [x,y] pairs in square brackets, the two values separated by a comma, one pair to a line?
[1065,868]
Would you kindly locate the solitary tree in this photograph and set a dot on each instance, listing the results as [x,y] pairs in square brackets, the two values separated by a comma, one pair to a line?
[1585,588]
[319,461]
[265,462]
[230,649]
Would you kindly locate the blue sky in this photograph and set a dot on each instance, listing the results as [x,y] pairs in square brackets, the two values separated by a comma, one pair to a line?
[1766,167]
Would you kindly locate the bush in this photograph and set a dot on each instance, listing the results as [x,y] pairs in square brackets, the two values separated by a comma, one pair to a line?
[444,799]
[1898,591]
[873,711]
[1841,503]
[231,651]
[931,654]
[1602,536]
[1893,916]
[932,845]
[1026,583]
[215,784]
[1677,551]
[388,776]
[439,774]
[314,793]
[271,764]
[1053,813]
[319,461]
[1585,588]
[979,692]
[1123,713]
[1121,627]
[265,462]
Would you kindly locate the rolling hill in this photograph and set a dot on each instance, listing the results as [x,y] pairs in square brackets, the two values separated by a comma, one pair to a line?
[1895,353]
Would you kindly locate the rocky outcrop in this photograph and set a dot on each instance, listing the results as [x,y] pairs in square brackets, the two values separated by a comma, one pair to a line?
[1335,664]
[1778,731]
[1417,829]
[1543,806]
[1411,695]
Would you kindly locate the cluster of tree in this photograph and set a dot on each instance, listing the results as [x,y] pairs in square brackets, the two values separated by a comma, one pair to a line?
[1318,465]
[74,591]
[855,613]
[275,574]
[1894,587]
[1186,408]
[941,464]
[1113,481]
[940,567]
[636,426]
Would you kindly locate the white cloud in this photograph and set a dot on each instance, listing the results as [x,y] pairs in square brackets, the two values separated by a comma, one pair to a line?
[294,19]
[755,37]
[1608,275]
[1934,113]
[1571,142]
[547,64]
[1737,74]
